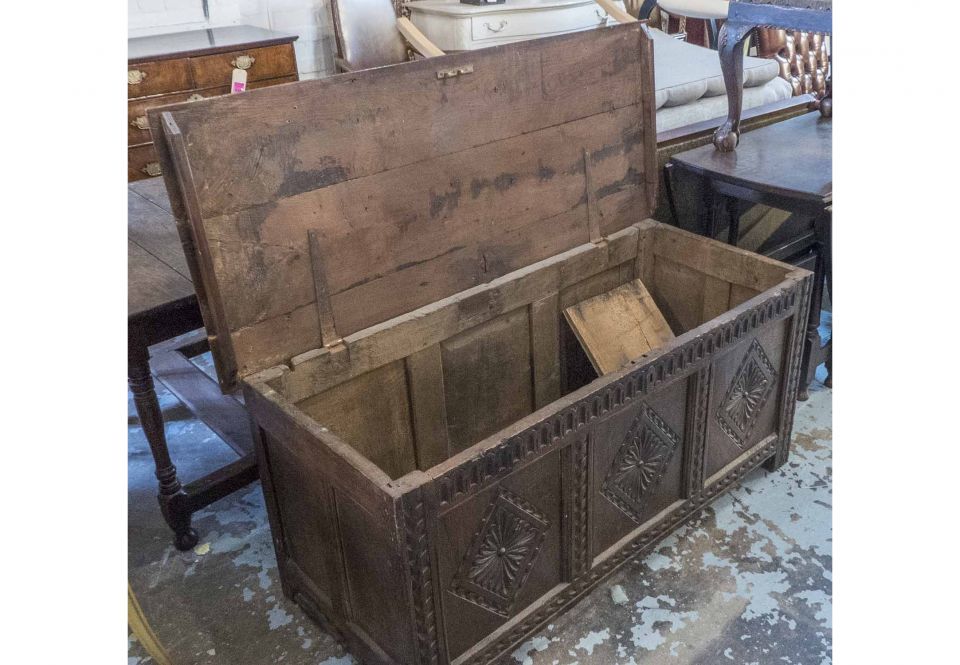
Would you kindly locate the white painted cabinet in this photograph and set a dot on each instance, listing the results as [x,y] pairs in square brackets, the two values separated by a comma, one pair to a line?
[454,26]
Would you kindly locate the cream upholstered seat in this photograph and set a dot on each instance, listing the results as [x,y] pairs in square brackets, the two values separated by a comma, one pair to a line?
[708,9]
[689,83]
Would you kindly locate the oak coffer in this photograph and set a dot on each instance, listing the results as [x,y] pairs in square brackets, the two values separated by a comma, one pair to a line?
[384,258]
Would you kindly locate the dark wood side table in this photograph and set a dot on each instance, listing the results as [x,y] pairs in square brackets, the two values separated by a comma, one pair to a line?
[742,17]
[161,306]
[786,165]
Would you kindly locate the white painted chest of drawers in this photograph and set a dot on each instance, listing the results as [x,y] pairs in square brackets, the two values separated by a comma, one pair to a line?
[454,26]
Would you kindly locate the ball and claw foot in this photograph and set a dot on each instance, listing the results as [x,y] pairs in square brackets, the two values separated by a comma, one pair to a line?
[726,138]
[186,540]
[826,107]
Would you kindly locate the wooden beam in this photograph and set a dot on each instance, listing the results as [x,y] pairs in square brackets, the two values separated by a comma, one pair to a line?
[417,39]
[613,10]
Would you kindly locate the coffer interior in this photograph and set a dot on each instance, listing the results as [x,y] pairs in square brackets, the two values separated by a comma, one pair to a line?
[417,411]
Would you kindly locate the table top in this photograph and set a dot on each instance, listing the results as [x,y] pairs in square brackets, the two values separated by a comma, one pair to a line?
[202,42]
[792,158]
[157,273]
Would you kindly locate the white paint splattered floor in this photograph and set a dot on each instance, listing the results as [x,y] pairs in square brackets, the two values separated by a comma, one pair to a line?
[747,582]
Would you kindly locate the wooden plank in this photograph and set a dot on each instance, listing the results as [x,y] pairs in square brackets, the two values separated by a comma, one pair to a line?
[416,238]
[711,257]
[428,406]
[678,292]
[417,39]
[285,140]
[318,369]
[618,326]
[328,328]
[716,297]
[614,10]
[221,344]
[741,294]
[545,349]
[487,378]
[335,156]
[371,413]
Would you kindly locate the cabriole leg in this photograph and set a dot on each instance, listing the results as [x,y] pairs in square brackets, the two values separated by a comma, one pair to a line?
[731,40]
[174,502]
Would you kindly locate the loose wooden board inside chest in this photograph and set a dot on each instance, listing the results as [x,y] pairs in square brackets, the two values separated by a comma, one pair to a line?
[618,326]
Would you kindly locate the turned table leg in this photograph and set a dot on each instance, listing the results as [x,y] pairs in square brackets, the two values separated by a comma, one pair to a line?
[730,46]
[174,502]
[824,230]
[811,346]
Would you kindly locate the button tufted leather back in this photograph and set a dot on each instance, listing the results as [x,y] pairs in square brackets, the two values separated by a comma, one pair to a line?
[802,57]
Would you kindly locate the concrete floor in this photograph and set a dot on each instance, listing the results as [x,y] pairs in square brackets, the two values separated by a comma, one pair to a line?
[749,581]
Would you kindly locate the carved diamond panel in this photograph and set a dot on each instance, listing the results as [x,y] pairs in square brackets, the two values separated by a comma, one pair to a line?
[640,462]
[501,553]
[748,393]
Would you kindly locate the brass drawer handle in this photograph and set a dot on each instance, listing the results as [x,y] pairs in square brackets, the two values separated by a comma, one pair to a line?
[152,169]
[135,76]
[195,97]
[503,24]
[243,61]
[140,122]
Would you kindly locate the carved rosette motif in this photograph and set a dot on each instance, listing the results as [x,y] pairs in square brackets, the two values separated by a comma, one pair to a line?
[501,553]
[640,462]
[748,393]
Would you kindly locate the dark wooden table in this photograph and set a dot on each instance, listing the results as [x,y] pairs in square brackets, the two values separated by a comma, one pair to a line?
[164,329]
[786,165]
[742,17]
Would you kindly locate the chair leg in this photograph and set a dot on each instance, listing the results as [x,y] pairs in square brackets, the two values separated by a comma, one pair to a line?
[731,41]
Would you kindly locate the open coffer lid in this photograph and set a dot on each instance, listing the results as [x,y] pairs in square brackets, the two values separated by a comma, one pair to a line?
[320,208]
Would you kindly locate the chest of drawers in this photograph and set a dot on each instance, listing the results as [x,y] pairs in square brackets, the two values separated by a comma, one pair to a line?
[454,26]
[186,66]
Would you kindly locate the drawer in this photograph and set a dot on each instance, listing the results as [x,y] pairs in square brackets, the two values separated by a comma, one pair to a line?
[531,24]
[137,130]
[155,78]
[141,160]
[261,63]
